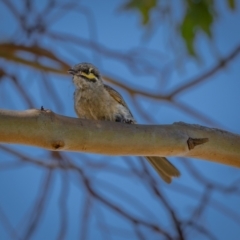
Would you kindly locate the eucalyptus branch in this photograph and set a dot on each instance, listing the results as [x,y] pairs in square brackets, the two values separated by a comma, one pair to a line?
[45,129]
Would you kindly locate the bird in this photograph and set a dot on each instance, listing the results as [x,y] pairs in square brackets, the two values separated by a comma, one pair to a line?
[97,101]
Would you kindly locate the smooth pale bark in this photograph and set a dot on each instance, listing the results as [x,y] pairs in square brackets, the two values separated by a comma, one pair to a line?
[45,129]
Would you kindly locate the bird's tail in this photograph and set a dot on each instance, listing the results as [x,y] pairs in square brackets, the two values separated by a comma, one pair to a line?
[164,168]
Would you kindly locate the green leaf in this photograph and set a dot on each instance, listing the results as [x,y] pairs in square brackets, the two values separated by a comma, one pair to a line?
[232,4]
[142,6]
[199,18]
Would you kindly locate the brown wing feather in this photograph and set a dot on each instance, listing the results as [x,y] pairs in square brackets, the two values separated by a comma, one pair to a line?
[113,93]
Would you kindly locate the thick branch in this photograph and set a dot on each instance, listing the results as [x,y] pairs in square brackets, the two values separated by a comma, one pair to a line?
[48,130]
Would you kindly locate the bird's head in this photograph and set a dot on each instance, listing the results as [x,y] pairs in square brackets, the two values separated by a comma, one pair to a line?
[85,75]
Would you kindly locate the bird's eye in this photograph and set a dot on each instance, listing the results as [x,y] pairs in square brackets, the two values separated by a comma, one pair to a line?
[90,70]
[85,70]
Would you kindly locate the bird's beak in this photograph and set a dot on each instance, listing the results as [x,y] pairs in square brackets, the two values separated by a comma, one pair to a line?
[71,71]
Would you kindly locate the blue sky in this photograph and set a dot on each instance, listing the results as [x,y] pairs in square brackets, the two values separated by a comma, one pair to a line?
[22,184]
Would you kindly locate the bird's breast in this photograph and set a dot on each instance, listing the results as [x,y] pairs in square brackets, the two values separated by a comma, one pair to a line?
[93,105]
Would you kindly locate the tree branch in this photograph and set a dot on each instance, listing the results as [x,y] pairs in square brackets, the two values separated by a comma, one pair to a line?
[222,63]
[45,129]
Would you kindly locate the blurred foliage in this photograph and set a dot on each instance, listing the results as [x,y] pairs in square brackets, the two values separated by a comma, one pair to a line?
[143,6]
[231,4]
[199,17]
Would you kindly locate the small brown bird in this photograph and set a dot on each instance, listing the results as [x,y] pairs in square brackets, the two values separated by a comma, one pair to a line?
[95,100]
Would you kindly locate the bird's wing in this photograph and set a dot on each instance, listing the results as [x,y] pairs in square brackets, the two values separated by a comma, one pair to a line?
[114,94]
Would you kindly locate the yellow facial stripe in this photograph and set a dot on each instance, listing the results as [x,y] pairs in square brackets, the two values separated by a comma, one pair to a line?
[90,76]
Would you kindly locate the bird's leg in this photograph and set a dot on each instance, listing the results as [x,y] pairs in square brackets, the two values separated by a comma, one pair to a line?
[121,119]
[129,121]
